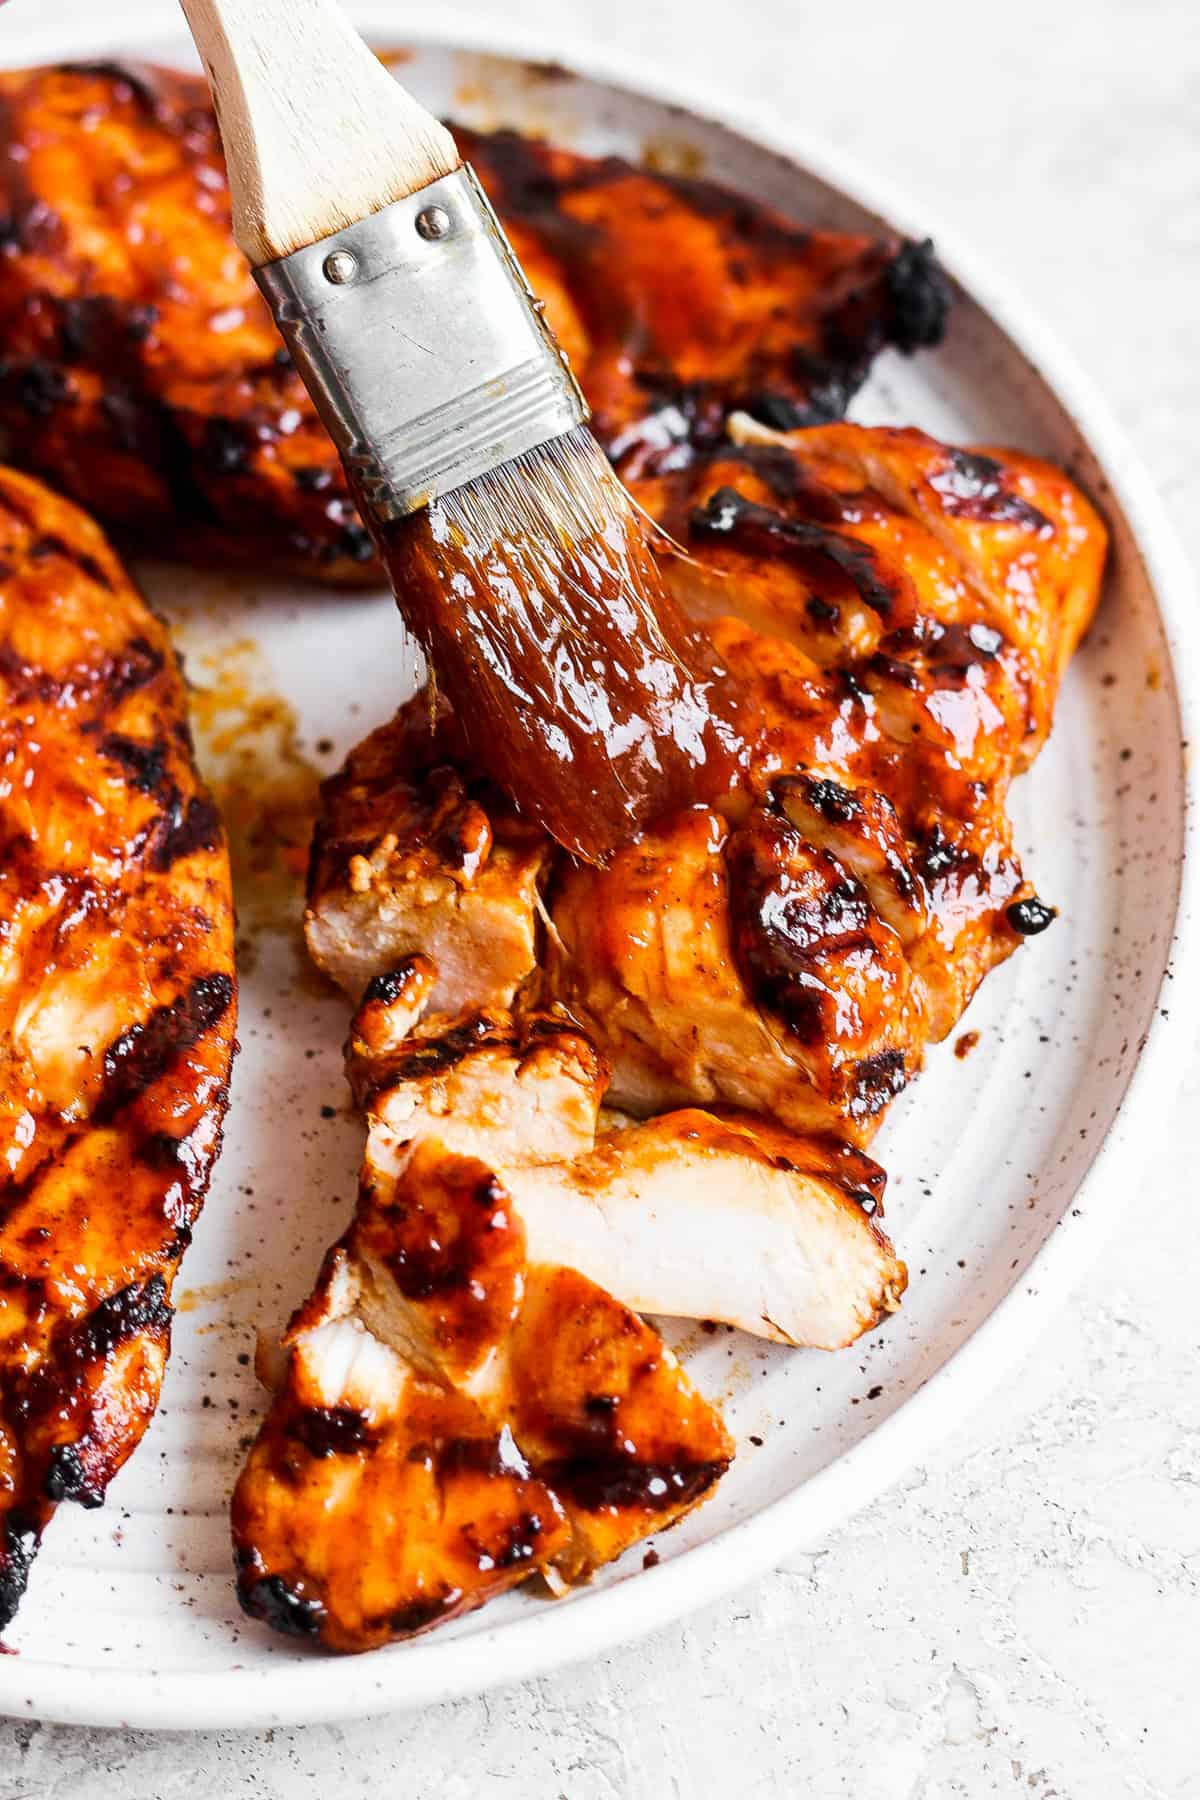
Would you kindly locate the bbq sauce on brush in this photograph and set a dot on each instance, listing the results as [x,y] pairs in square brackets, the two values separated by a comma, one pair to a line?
[581,689]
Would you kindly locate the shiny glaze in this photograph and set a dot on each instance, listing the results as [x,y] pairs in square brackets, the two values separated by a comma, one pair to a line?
[508,1417]
[141,370]
[680,302]
[117,1011]
[424,1513]
[448,1236]
[899,613]
[607,1417]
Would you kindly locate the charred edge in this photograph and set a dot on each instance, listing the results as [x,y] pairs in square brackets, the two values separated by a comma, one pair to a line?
[141,1055]
[834,803]
[18,1547]
[392,985]
[439,1054]
[283,1608]
[332,1431]
[829,384]
[876,1082]
[919,297]
[751,526]
[595,1483]
[1030,917]
[67,1478]
[407,1621]
[170,1155]
[133,1312]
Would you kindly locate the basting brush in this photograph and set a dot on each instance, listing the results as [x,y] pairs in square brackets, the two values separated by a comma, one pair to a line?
[517,557]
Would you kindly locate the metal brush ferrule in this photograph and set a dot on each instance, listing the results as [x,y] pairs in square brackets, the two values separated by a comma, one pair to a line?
[422,345]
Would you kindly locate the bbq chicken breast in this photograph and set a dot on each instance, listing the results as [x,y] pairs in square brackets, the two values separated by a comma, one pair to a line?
[463,1404]
[469,1396]
[900,614]
[753,981]
[141,372]
[117,1011]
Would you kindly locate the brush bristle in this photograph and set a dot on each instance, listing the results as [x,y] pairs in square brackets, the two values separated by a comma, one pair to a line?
[581,690]
[559,527]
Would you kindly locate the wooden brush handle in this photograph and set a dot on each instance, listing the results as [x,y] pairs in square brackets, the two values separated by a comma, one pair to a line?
[317,133]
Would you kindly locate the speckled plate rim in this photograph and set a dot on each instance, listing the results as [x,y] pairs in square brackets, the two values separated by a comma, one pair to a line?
[434,1669]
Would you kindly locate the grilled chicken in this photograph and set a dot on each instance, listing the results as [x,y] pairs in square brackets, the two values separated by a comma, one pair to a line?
[460,1409]
[901,614]
[688,1215]
[141,372]
[407,852]
[117,1011]
[680,302]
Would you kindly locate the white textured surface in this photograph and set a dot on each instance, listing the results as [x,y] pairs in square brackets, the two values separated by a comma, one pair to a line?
[1022,1618]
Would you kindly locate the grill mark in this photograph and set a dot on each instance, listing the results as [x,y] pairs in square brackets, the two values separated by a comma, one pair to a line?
[183,830]
[105,683]
[598,1482]
[143,1053]
[51,545]
[491,1456]
[134,667]
[784,923]
[971,486]
[332,1431]
[752,527]
[144,764]
[133,1312]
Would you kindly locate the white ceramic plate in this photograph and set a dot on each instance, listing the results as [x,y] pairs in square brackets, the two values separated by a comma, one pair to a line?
[1003,1165]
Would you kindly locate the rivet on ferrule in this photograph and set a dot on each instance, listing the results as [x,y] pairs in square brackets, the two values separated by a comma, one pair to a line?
[433,222]
[417,336]
[340,267]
